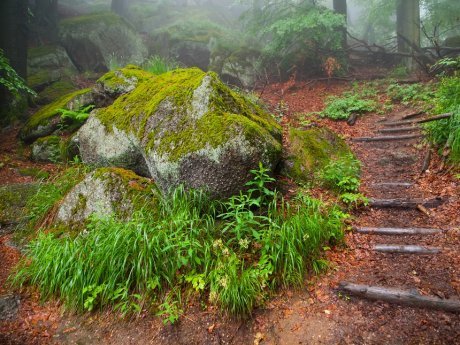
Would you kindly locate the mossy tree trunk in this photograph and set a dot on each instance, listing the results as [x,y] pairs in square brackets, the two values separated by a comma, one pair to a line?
[408,29]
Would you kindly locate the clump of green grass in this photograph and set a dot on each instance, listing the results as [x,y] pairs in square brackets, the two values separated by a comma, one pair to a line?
[158,65]
[230,253]
[49,192]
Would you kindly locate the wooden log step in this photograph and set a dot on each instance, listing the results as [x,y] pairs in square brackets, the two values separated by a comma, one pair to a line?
[415,121]
[397,231]
[405,203]
[388,138]
[412,115]
[393,184]
[404,297]
[405,249]
[398,129]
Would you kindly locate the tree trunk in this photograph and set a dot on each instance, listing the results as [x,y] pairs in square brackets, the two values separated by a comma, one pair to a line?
[45,21]
[408,29]
[120,7]
[340,6]
[13,33]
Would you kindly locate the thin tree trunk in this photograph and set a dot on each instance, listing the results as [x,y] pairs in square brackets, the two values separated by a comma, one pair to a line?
[13,33]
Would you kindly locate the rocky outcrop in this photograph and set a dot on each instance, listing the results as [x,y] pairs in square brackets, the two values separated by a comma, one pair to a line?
[310,150]
[183,127]
[47,149]
[95,41]
[48,119]
[106,191]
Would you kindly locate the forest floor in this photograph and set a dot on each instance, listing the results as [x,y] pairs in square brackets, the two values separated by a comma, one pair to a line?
[317,313]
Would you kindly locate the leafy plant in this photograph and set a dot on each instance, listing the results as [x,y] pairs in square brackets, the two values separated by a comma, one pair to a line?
[79,116]
[446,133]
[410,94]
[11,80]
[233,251]
[340,108]
[342,174]
[354,199]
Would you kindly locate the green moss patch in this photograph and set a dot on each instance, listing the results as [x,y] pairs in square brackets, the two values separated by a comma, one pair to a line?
[56,90]
[311,150]
[44,115]
[13,198]
[176,89]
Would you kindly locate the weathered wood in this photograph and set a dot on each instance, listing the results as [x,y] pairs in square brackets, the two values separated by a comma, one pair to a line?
[397,231]
[427,159]
[398,129]
[415,121]
[412,115]
[405,249]
[388,138]
[423,209]
[393,184]
[398,296]
[352,119]
[405,203]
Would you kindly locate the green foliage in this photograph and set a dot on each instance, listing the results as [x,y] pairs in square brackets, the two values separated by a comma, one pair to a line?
[298,35]
[11,80]
[49,192]
[232,252]
[354,199]
[413,94]
[446,133]
[76,117]
[340,108]
[342,174]
[158,65]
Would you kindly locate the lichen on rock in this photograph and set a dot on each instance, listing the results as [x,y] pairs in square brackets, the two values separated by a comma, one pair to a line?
[189,128]
[106,191]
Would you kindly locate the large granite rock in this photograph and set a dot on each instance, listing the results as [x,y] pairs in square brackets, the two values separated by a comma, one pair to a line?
[183,127]
[106,191]
[95,41]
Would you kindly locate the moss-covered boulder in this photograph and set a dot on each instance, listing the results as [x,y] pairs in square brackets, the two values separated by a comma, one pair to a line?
[48,118]
[95,41]
[311,150]
[183,127]
[47,65]
[47,149]
[106,191]
[13,198]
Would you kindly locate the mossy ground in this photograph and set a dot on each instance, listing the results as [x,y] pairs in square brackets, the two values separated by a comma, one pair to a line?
[85,21]
[13,198]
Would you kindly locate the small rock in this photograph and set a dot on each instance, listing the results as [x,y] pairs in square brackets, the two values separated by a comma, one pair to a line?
[9,307]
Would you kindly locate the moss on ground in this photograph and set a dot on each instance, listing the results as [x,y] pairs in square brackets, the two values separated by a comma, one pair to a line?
[311,150]
[13,198]
[34,172]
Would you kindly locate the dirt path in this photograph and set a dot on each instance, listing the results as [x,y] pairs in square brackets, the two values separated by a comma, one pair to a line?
[317,313]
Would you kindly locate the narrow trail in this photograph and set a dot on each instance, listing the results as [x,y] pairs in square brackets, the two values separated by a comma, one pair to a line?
[392,170]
